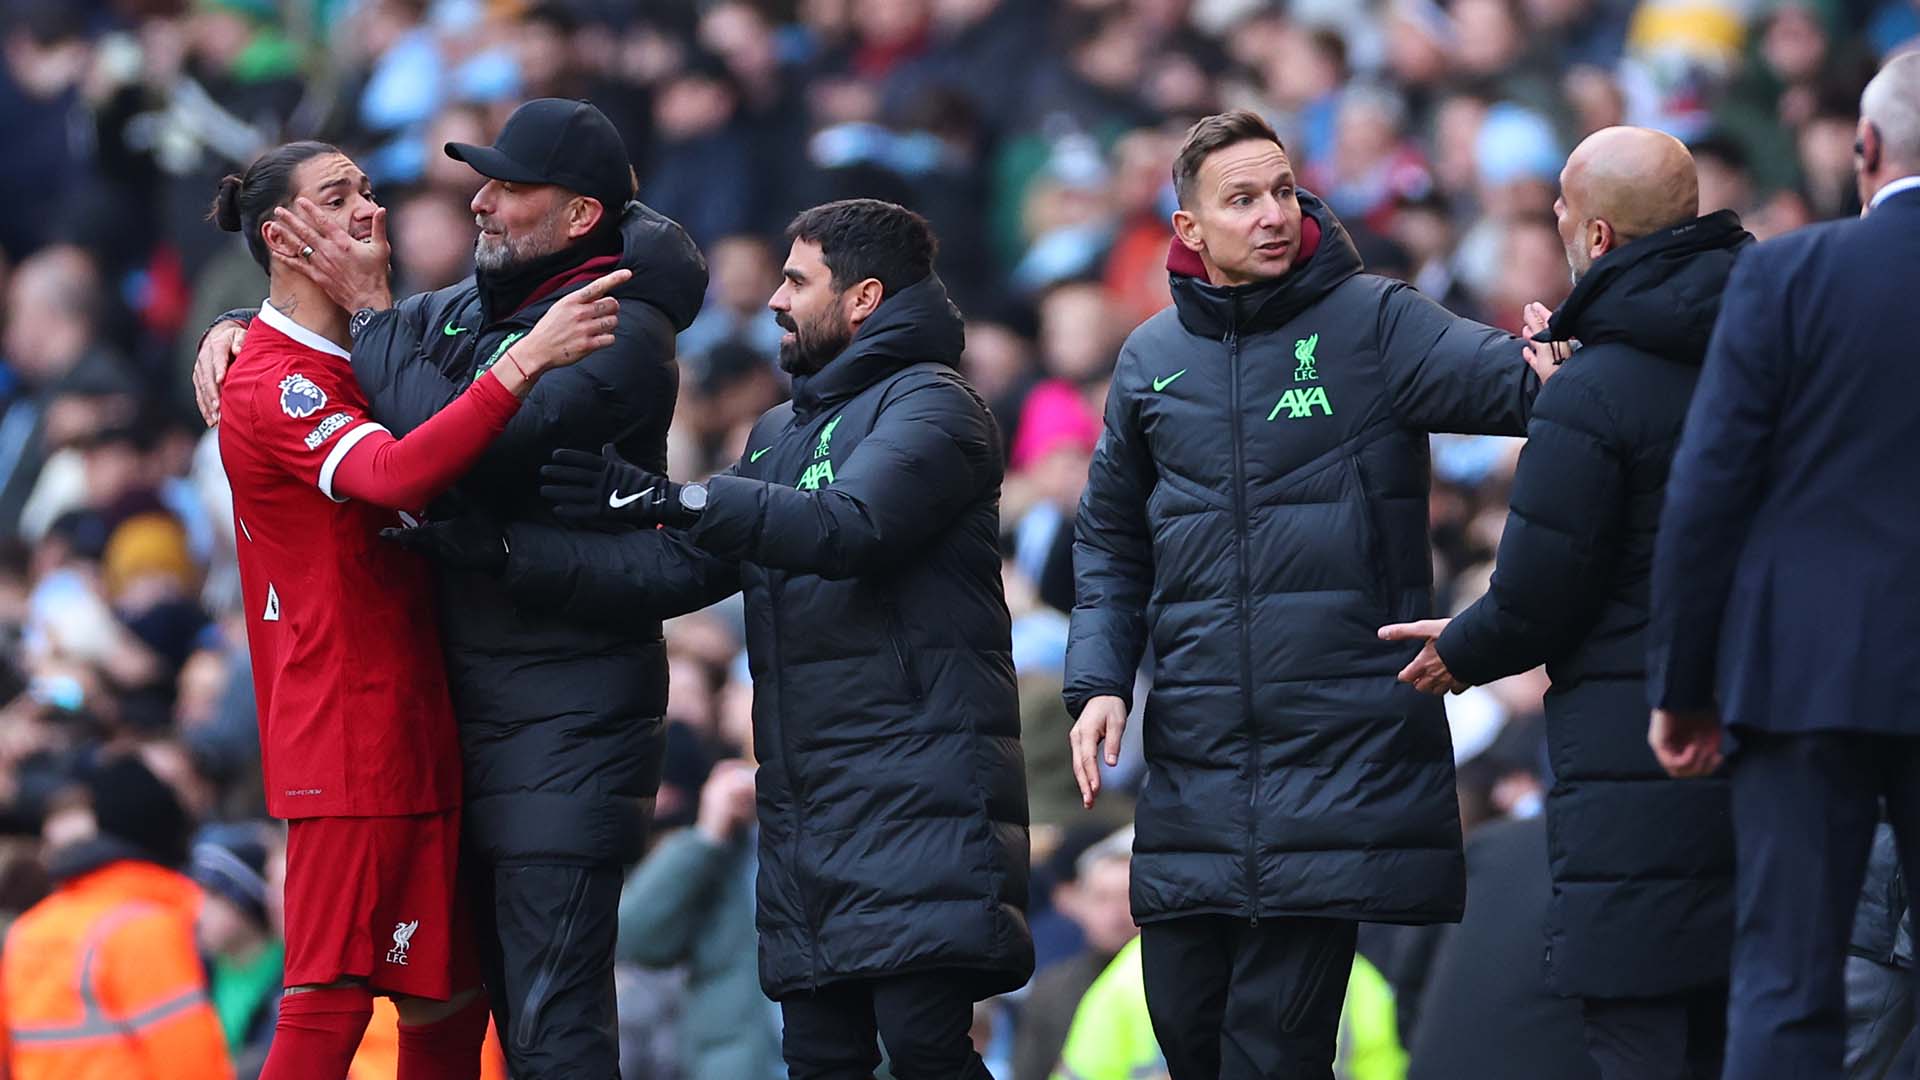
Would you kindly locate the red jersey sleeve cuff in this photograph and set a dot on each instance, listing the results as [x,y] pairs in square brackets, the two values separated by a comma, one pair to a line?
[340,450]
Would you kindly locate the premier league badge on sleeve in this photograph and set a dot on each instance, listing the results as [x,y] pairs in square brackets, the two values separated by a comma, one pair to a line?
[299,398]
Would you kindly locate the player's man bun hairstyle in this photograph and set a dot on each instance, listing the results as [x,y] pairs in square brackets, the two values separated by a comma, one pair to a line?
[246,199]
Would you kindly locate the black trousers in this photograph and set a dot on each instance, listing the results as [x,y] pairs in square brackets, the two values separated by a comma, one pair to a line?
[923,1018]
[1804,811]
[1677,1037]
[1236,1000]
[546,934]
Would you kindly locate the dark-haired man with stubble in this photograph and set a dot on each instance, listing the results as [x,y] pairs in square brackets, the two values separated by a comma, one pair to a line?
[862,525]
[1257,506]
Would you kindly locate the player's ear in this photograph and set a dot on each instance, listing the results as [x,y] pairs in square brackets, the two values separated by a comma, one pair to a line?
[278,240]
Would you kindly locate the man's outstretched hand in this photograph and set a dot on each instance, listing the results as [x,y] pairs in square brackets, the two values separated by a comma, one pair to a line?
[1427,673]
[464,543]
[606,489]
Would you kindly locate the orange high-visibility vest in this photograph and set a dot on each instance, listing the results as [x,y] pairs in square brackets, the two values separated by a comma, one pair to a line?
[102,981]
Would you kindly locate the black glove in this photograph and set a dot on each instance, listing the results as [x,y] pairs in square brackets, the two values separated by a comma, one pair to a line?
[607,489]
[464,543]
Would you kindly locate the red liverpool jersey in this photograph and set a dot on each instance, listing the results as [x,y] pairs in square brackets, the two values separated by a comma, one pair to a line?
[355,718]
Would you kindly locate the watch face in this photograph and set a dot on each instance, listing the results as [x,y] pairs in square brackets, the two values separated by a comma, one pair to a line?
[694,496]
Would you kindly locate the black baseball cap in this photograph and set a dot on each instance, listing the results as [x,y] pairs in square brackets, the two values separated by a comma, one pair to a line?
[557,141]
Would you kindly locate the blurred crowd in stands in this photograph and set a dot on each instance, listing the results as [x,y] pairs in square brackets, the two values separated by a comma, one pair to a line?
[1036,135]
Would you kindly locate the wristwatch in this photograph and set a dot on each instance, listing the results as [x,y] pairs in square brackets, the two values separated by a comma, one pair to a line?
[693,498]
[359,322]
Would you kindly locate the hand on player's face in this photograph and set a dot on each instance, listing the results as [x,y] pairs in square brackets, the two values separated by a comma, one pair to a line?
[335,233]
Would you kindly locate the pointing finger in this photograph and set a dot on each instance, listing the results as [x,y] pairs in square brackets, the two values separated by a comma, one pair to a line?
[1421,629]
[601,286]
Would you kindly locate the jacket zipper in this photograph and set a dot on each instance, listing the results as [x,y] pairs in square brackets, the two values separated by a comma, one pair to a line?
[793,787]
[1246,645]
[1371,542]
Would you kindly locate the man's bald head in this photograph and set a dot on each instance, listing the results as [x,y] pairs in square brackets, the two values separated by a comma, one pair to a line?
[1620,184]
[1890,125]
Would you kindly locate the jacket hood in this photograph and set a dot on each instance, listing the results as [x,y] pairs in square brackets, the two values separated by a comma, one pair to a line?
[919,325]
[668,270]
[1327,258]
[1659,293]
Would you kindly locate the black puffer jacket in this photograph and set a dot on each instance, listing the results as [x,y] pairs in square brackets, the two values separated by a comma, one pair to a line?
[1642,864]
[1258,504]
[862,525]
[560,721]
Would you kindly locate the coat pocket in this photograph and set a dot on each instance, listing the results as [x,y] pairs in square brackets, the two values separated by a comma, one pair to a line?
[1372,541]
[902,651]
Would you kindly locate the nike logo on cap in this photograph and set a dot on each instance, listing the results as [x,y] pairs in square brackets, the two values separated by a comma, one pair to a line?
[617,500]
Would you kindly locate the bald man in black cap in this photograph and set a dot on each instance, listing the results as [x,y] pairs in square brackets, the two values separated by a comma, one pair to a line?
[561,722]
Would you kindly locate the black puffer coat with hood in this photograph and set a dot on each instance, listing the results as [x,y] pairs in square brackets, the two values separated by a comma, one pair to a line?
[1257,505]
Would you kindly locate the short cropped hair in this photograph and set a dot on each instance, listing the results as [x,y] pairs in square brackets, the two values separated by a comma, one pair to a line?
[1215,133]
[868,238]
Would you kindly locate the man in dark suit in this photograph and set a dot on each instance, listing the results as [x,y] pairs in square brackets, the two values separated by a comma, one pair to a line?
[1785,578]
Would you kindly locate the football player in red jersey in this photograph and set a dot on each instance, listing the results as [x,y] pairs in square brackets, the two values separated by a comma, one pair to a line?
[357,736]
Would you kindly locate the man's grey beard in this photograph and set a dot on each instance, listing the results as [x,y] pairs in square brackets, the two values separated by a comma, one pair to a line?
[512,252]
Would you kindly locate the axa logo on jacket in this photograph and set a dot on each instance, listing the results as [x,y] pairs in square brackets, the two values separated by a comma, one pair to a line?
[820,469]
[1301,401]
